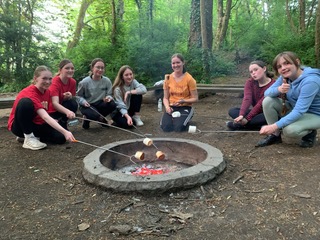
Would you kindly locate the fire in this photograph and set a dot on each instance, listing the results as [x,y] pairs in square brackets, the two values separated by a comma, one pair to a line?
[145,171]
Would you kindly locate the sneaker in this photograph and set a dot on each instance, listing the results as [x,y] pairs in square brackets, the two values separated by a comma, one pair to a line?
[269,140]
[85,124]
[21,139]
[309,140]
[234,126]
[33,143]
[136,119]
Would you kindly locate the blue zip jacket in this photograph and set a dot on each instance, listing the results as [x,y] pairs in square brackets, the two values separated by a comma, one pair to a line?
[304,95]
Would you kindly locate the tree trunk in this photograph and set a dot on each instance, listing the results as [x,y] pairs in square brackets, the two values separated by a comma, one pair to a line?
[293,27]
[114,24]
[77,33]
[302,16]
[205,13]
[317,37]
[223,22]
[195,40]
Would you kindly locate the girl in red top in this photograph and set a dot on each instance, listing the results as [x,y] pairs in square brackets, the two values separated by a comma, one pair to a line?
[250,115]
[63,91]
[29,118]
[180,92]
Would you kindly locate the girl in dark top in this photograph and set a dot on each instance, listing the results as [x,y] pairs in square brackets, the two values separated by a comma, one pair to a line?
[250,115]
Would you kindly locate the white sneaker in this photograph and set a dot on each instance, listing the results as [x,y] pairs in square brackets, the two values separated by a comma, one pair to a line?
[21,139]
[33,143]
[137,120]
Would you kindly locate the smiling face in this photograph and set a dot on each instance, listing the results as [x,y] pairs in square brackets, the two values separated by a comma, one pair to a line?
[257,72]
[98,69]
[177,65]
[127,76]
[288,69]
[67,71]
[43,80]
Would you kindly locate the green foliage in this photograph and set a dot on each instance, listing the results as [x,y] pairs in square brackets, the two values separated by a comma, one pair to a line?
[219,63]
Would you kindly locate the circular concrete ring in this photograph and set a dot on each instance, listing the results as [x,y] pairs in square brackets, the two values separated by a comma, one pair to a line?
[97,174]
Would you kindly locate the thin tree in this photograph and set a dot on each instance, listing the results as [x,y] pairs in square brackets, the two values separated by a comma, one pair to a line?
[317,37]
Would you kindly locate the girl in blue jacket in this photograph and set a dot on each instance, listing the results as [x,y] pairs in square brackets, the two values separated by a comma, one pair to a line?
[301,87]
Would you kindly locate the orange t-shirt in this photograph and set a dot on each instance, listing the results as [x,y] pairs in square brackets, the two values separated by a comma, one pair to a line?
[180,90]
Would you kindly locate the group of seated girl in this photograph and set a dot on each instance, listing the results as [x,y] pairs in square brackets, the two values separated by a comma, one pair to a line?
[41,111]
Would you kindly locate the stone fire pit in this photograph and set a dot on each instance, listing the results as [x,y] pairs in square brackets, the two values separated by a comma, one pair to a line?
[201,163]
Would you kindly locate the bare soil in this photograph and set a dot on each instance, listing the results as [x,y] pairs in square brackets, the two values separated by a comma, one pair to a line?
[264,193]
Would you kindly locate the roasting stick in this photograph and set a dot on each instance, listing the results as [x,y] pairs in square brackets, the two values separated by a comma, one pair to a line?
[96,146]
[193,129]
[138,134]
[99,114]
[145,136]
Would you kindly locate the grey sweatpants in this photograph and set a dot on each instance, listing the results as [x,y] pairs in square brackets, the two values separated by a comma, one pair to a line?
[272,108]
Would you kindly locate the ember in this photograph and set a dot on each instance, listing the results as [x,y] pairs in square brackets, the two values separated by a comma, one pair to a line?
[151,169]
[147,170]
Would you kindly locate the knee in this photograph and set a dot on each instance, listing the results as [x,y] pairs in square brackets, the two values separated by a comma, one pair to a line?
[166,128]
[26,104]
[267,102]
[290,131]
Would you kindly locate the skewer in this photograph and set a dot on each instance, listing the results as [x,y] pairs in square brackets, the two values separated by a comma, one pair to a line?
[193,129]
[96,146]
[144,136]
[93,109]
[110,126]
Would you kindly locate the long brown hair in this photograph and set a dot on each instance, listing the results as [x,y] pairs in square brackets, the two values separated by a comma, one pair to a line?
[62,64]
[262,64]
[119,81]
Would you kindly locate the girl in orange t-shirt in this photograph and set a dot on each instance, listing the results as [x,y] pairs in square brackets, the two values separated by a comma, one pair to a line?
[180,92]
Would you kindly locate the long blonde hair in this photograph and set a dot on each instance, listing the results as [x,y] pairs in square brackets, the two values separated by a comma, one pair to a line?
[119,81]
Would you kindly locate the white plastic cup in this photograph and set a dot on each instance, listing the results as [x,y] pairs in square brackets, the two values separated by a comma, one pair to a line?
[147,141]
[176,114]
[192,129]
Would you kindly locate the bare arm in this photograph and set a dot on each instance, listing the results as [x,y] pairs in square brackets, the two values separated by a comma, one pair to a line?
[57,106]
[53,123]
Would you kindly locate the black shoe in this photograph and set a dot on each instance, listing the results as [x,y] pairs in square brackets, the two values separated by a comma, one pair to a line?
[269,140]
[234,126]
[308,140]
[85,124]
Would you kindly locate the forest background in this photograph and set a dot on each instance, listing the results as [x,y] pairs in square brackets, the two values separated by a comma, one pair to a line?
[214,36]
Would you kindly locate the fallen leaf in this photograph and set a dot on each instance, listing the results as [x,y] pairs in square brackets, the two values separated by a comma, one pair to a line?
[83,226]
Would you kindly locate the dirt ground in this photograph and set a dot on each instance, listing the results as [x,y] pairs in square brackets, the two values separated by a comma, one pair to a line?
[264,193]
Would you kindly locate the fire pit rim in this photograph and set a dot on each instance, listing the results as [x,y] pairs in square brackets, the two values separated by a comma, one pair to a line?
[95,172]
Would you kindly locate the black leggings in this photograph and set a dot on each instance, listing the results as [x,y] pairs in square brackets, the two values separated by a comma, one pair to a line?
[178,124]
[71,105]
[23,124]
[255,123]
[135,106]
[97,109]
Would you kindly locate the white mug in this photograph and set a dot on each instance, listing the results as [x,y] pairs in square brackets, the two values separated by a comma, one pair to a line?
[192,129]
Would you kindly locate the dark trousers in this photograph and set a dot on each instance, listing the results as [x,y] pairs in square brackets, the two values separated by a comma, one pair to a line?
[23,124]
[255,123]
[135,106]
[70,104]
[98,109]
[178,124]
